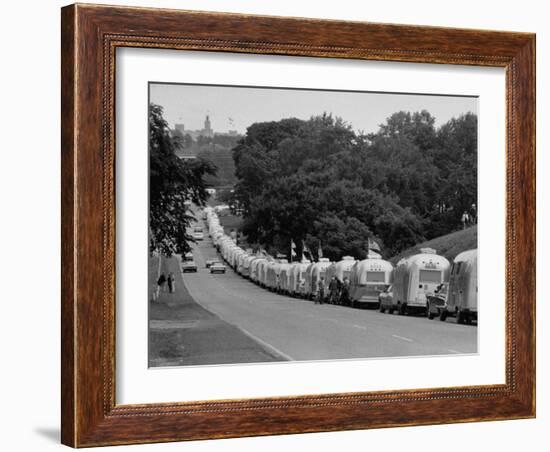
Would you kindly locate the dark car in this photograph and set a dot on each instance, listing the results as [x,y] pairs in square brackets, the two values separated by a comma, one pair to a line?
[386,301]
[437,302]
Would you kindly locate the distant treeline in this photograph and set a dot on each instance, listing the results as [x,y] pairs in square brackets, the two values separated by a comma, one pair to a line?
[320,182]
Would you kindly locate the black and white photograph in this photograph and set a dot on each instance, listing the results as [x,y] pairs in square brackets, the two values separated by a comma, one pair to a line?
[292,224]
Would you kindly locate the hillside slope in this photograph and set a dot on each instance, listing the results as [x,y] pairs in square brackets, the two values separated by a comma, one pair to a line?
[447,245]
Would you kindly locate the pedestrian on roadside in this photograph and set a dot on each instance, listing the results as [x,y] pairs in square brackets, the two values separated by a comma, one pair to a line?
[161,282]
[333,290]
[321,290]
[344,295]
[171,283]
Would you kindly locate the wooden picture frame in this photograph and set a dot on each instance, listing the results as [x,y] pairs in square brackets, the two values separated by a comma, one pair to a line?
[90,36]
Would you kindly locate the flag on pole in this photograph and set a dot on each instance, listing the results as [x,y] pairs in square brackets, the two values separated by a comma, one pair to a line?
[305,249]
[292,249]
[372,245]
[320,251]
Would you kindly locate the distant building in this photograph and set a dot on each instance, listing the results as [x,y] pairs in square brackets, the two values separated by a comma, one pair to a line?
[217,149]
[206,131]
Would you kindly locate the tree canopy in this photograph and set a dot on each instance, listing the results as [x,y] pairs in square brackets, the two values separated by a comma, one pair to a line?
[173,182]
[320,182]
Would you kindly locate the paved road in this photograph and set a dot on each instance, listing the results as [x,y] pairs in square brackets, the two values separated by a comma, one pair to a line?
[183,333]
[300,330]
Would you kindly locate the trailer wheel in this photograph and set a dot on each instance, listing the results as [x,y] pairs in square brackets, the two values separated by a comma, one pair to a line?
[459,317]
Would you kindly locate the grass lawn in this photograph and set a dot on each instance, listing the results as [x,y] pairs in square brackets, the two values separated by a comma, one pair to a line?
[447,245]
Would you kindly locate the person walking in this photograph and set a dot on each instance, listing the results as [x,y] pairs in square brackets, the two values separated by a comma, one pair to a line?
[161,281]
[333,290]
[344,293]
[321,290]
[171,283]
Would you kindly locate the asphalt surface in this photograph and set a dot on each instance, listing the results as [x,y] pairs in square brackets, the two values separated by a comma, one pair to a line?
[295,329]
[181,332]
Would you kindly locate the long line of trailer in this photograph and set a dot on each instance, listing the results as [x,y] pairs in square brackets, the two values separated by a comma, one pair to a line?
[415,284]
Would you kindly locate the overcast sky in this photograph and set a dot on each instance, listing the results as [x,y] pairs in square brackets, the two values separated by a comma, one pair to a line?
[238,107]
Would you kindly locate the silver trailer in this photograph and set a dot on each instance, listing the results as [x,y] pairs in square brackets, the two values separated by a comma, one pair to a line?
[417,277]
[462,295]
[368,278]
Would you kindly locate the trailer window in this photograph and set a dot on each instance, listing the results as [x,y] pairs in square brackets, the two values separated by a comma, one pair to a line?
[430,276]
[376,277]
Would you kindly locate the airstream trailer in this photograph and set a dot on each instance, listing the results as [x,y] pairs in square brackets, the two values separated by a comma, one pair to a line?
[244,265]
[255,269]
[284,277]
[368,278]
[416,277]
[262,272]
[234,256]
[241,262]
[273,273]
[297,275]
[338,270]
[462,293]
[315,276]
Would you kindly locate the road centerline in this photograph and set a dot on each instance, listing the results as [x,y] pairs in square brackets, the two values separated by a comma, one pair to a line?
[406,339]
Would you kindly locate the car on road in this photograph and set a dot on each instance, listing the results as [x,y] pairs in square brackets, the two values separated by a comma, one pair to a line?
[189,266]
[188,256]
[217,267]
[437,302]
[209,262]
[198,234]
[385,299]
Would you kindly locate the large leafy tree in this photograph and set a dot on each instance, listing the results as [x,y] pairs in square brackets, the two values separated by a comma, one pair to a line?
[319,182]
[172,183]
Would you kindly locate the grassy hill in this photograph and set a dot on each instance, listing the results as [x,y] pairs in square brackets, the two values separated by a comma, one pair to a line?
[447,245]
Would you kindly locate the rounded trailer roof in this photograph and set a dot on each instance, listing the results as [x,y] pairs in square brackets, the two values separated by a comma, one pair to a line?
[424,258]
[465,256]
[373,265]
[345,264]
[321,265]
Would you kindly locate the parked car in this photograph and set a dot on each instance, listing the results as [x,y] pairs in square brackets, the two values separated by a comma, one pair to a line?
[189,266]
[437,302]
[188,256]
[217,267]
[209,262]
[386,301]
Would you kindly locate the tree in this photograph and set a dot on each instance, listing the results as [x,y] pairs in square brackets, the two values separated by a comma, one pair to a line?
[173,183]
[318,181]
